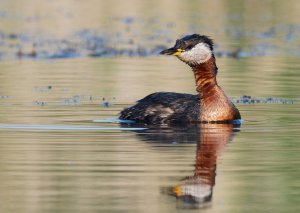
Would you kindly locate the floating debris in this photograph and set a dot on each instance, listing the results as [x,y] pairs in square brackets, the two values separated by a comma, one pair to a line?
[71,101]
[129,43]
[106,104]
[43,88]
[4,96]
[87,99]
[245,99]
[39,103]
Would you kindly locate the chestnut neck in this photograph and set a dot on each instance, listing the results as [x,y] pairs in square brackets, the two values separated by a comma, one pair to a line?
[205,77]
[215,105]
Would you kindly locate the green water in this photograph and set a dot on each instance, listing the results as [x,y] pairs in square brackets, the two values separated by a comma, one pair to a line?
[57,165]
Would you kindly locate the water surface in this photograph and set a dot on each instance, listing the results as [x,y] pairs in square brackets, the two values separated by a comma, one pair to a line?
[58,153]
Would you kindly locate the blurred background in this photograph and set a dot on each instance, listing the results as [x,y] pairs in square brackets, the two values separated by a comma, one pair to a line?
[65,64]
[72,28]
[263,35]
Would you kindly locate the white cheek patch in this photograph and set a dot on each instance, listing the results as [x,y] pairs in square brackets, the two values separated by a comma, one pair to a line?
[197,55]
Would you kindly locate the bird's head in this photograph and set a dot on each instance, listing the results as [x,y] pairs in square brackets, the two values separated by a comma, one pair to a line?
[192,49]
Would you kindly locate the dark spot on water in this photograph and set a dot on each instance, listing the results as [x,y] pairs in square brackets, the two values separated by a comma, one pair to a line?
[39,103]
[76,96]
[4,96]
[106,104]
[71,101]
[12,36]
[43,88]
[127,19]
[246,99]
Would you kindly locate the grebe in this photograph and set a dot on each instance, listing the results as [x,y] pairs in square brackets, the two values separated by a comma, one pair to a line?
[211,105]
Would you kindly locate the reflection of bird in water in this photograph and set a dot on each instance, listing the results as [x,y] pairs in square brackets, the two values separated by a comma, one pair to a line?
[211,105]
[195,191]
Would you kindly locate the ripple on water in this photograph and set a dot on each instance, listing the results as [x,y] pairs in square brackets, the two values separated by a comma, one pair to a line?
[64,127]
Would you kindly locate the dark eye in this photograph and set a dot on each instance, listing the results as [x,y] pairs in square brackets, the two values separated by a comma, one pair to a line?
[189,47]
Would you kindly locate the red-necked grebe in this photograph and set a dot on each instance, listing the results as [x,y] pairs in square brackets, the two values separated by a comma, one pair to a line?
[210,105]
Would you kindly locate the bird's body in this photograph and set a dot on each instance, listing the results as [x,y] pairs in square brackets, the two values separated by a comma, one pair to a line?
[210,105]
[164,107]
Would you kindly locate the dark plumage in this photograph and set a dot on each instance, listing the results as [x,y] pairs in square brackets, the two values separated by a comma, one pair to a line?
[164,107]
[211,105]
[189,41]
